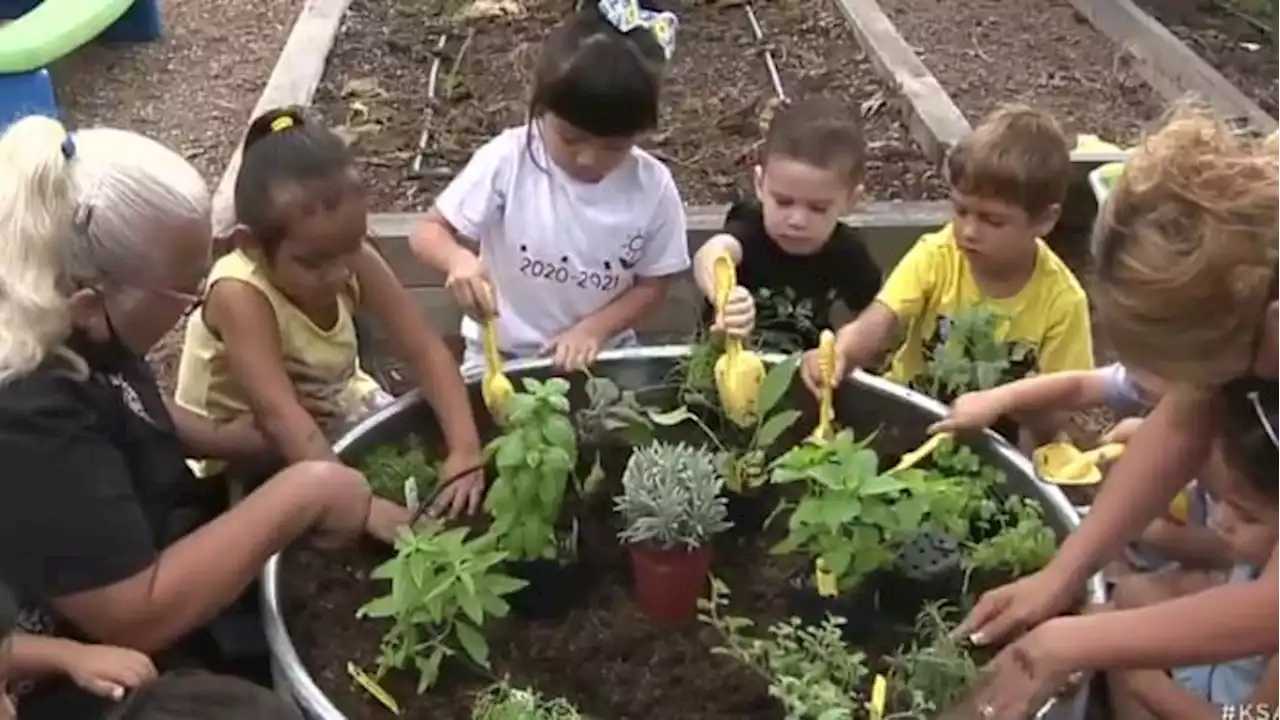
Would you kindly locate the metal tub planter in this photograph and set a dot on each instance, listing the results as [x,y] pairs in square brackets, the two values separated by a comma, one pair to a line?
[606,619]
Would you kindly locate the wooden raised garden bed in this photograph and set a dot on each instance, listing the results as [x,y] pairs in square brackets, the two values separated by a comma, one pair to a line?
[717,92]
[578,632]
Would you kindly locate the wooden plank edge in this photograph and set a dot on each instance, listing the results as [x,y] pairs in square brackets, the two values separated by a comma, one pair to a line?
[1167,63]
[936,122]
[293,81]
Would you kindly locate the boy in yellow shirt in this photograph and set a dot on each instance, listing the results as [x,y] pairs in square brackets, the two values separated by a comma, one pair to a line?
[1008,177]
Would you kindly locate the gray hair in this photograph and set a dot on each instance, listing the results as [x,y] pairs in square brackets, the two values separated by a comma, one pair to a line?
[79,210]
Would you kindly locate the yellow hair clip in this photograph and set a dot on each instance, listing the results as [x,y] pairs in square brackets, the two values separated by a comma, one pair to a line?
[283,122]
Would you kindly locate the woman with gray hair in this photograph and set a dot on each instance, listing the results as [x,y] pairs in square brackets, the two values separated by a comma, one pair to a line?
[104,243]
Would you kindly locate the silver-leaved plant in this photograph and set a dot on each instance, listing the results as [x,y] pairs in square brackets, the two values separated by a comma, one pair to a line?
[671,497]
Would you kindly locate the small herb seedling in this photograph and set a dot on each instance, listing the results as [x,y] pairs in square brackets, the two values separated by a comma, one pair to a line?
[443,589]
[933,672]
[970,358]
[1023,544]
[395,472]
[503,701]
[535,457]
[810,670]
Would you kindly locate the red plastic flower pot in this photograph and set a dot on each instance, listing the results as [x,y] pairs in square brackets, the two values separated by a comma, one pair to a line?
[668,583]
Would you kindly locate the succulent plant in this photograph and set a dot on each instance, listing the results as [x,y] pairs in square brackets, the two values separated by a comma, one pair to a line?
[671,497]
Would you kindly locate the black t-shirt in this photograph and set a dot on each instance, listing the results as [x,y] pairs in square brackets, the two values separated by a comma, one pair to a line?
[794,293]
[92,469]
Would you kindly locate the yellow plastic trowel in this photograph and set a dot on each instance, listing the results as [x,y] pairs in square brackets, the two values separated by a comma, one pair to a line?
[1062,463]
[909,460]
[739,372]
[827,376]
[496,388]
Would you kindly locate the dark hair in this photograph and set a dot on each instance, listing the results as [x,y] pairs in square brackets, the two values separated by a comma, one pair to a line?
[820,132]
[198,695]
[1016,154]
[602,81]
[1247,447]
[283,148]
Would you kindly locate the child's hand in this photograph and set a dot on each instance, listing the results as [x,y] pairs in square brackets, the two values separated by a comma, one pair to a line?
[463,495]
[739,313]
[109,671]
[1122,431]
[970,411]
[574,349]
[811,372]
[468,280]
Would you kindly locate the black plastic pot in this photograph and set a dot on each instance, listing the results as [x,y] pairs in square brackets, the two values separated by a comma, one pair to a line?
[748,510]
[554,588]
[928,569]
[859,607]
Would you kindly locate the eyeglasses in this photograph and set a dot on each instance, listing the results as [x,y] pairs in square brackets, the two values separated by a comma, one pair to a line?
[1264,418]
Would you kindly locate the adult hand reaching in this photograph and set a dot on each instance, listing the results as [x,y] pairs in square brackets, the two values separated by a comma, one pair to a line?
[1017,607]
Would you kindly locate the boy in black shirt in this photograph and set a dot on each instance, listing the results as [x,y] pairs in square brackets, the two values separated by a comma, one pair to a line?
[794,256]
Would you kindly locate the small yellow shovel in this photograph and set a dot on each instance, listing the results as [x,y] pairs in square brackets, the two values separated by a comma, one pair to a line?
[495,387]
[739,372]
[827,376]
[1061,463]
[909,460]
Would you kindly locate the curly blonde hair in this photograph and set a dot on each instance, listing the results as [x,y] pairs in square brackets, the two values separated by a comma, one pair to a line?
[1185,247]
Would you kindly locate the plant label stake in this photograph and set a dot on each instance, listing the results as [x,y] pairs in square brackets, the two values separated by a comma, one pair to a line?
[827,373]
[879,695]
[739,372]
[371,686]
[496,388]
[824,579]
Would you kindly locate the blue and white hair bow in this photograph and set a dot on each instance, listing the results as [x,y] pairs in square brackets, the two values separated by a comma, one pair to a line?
[627,15]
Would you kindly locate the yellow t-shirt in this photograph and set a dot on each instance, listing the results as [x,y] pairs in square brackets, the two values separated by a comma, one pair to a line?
[933,281]
[323,363]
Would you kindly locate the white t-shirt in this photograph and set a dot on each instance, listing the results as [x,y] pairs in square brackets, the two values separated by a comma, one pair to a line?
[558,250]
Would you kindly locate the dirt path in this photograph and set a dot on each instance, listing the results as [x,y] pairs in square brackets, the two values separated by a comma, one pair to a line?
[1039,52]
[717,92]
[193,90]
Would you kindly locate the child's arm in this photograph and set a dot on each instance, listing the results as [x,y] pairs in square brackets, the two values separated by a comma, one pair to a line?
[666,254]
[471,201]
[1189,545]
[239,314]
[204,437]
[1043,393]
[104,670]
[418,345]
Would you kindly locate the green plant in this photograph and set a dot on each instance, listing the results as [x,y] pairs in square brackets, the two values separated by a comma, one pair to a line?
[744,468]
[851,515]
[535,457]
[444,587]
[810,670]
[671,497]
[612,412]
[932,673]
[962,488]
[1024,542]
[695,375]
[401,474]
[501,701]
[970,357]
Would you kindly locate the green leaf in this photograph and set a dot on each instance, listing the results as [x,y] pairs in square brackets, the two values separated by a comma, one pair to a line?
[557,385]
[473,643]
[429,668]
[504,584]
[383,607]
[558,431]
[775,426]
[882,485]
[511,452]
[776,383]
[602,391]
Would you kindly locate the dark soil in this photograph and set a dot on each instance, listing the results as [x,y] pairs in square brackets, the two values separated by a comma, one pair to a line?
[718,92]
[605,657]
[1038,52]
[1226,38]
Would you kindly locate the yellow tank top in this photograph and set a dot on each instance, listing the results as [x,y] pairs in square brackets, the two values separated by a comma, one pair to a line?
[323,363]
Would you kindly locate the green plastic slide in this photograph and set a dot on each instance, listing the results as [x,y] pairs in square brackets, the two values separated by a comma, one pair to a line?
[53,29]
